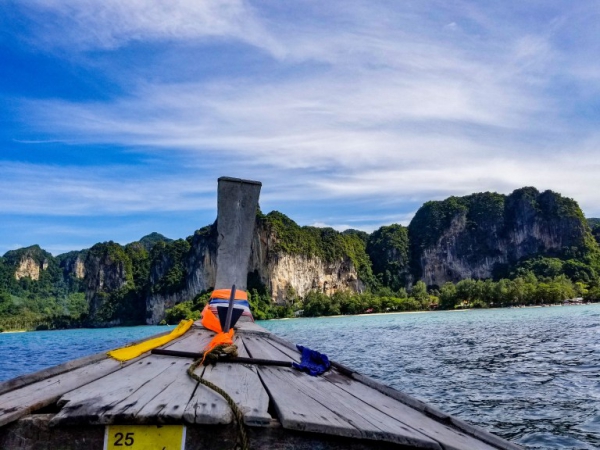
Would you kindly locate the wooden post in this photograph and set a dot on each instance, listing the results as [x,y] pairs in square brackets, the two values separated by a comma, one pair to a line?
[237,204]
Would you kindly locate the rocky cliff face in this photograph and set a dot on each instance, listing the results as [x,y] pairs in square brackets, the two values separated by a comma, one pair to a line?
[28,262]
[73,264]
[106,274]
[477,236]
[28,267]
[474,236]
[285,273]
[198,272]
[281,273]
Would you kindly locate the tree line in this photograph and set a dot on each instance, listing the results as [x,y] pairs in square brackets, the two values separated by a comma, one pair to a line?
[526,290]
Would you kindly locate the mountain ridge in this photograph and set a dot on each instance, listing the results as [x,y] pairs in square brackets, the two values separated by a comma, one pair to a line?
[480,236]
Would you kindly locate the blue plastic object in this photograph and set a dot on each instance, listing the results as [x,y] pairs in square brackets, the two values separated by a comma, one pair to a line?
[312,362]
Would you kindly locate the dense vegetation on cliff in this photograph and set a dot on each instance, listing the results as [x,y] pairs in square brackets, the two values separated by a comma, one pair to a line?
[325,243]
[46,294]
[595,226]
[37,289]
[388,249]
[490,235]
[484,249]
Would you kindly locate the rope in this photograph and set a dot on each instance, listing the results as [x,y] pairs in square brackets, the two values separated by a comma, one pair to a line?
[218,352]
[213,356]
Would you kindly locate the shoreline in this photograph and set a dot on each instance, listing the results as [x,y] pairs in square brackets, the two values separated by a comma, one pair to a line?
[333,316]
[434,311]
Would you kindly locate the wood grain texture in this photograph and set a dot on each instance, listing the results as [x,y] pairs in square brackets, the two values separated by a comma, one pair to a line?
[19,402]
[195,340]
[314,404]
[131,397]
[206,406]
[158,390]
[243,385]
[31,392]
[453,434]
[31,378]
[246,327]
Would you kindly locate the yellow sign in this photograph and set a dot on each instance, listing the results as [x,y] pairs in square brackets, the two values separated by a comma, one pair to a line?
[144,437]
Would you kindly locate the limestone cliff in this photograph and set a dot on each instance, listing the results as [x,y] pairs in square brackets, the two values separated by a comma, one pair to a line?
[177,276]
[107,273]
[179,273]
[298,272]
[28,262]
[477,235]
[28,267]
[73,264]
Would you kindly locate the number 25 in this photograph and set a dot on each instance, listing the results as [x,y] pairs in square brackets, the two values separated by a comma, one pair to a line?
[119,439]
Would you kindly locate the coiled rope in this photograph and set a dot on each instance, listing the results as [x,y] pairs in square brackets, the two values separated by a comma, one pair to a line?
[211,357]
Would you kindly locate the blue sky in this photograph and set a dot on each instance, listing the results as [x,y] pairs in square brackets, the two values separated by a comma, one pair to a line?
[118,117]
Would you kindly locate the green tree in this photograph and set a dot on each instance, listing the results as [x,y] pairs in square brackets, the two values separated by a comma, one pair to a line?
[388,249]
[448,296]
[419,293]
[180,312]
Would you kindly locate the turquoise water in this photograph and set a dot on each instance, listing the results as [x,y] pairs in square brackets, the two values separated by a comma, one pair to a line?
[530,375]
[22,353]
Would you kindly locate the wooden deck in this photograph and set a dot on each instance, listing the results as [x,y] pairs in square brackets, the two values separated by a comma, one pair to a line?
[339,409]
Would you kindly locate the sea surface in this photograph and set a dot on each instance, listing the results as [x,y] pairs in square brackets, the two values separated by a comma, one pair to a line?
[530,375]
[22,353]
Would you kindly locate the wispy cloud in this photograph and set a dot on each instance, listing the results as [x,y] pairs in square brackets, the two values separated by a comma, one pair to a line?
[75,191]
[109,24]
[369,108]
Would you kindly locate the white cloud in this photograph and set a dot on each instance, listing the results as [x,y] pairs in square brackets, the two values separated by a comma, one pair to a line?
[109,24]
[395,104]
[74,191]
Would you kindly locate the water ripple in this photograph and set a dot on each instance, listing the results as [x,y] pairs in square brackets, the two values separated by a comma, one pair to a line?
[22,353]
[529,375]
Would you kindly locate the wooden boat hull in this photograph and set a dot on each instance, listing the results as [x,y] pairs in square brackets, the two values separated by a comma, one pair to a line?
[69,407]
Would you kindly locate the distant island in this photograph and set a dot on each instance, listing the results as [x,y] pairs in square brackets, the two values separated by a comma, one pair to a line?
[481,250]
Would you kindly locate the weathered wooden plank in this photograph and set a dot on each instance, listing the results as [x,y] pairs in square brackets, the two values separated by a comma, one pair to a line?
[419,419]
[161,391]
[19,402]
[169,404]
[133,408]
[450,438]
[122,399]
[95,402]
[244,327]
[165,398]
[242,383]
[193,341]
[206,406]
[31,392]
[313,404]
[185,337]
